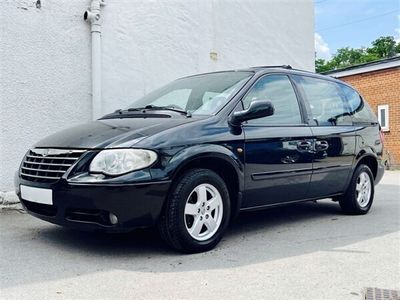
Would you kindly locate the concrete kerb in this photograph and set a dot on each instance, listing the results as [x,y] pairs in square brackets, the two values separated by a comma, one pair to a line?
[9,201]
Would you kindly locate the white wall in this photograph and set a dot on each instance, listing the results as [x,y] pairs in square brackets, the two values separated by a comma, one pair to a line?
[45,75]
[45,55]
[149,43]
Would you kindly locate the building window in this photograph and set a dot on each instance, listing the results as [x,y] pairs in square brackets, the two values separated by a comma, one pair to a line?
[383,116]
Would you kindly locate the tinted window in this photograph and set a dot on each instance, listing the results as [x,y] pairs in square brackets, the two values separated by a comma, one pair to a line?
[177,98]
[359,109]
[326,102]
[201,94]
[208,96]
[279,90]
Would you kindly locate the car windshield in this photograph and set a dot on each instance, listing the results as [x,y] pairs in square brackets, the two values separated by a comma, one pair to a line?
[201,94]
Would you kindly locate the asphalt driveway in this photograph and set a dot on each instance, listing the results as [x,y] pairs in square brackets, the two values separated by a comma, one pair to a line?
[306,251]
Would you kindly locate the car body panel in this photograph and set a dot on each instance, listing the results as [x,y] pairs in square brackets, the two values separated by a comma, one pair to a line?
[277,164]
[333,159]
[112,133]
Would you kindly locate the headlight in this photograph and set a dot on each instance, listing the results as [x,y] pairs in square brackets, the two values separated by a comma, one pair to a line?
[121,161]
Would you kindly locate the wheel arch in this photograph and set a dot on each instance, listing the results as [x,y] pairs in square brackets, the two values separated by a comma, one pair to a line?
[369,159]
[218,159]
[365,156]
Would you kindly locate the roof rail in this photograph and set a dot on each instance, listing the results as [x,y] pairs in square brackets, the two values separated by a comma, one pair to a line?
[280,66]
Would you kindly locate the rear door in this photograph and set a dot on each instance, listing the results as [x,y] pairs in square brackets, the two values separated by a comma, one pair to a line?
[278,148]
[334,134]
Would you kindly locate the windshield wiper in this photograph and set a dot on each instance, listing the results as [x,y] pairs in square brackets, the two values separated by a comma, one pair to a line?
[154,107]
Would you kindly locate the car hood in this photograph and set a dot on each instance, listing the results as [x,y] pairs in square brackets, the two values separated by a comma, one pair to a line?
[111,133]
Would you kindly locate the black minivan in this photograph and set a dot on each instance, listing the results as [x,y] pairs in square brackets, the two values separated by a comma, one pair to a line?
[191,155]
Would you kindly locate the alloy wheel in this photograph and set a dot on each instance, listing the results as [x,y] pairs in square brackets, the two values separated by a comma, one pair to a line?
[363,189]
[203,212]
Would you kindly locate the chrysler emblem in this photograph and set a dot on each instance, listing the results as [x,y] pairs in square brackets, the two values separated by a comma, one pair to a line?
[45,152]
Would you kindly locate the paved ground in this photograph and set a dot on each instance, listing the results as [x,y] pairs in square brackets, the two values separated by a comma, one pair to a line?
[308,251]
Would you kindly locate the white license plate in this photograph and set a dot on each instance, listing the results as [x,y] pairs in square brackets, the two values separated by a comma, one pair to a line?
[37,195]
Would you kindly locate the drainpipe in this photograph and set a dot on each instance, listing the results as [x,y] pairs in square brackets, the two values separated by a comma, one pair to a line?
[93,16]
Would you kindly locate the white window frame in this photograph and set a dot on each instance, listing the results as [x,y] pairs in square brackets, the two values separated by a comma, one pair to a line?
[385,108]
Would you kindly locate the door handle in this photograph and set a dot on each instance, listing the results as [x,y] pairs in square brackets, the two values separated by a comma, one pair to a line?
[321,145]
[304,145]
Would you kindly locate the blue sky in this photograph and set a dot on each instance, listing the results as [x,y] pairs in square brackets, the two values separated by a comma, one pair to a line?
[353,23]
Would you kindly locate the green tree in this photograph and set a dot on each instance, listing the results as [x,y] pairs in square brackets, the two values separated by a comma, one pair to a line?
[382,47]
[347,56]
[323,66]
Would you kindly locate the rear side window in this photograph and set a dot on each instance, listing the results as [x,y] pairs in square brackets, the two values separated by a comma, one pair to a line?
[279,90]
[328,108]
[359,109]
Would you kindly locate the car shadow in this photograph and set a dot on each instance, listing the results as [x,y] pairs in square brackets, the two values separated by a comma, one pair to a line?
[252,238]
[147,241]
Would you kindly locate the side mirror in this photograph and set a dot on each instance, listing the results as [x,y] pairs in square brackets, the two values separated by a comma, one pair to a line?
[257,109]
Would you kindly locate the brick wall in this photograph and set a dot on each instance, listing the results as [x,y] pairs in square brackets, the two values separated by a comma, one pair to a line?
[378,88]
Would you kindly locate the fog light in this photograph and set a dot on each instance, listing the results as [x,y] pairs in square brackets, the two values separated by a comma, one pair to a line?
[113,218]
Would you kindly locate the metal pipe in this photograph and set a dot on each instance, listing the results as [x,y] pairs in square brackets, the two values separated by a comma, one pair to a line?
[93,16]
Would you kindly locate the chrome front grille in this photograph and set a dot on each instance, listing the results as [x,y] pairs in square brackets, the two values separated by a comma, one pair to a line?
[48,165]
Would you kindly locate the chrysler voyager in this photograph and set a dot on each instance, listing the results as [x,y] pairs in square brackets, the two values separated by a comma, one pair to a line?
[191,155]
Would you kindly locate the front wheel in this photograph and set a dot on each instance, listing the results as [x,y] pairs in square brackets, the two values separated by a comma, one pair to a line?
[197,212]
[360,194]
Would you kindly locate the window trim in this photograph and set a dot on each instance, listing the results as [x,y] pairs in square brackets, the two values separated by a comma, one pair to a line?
[298,98]
[385,108]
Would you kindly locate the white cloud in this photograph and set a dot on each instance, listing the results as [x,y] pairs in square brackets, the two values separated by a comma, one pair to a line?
[321,47]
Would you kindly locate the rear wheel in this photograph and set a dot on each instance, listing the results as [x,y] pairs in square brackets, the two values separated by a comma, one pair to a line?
[360,193]
[197,212]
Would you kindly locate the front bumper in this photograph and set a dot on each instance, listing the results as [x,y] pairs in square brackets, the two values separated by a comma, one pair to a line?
[87,206]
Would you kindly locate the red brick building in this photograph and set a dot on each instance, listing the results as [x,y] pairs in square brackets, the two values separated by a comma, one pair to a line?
[379,84]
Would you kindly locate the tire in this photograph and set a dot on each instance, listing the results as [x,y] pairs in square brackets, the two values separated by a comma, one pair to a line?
[183,224]
[359,196]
